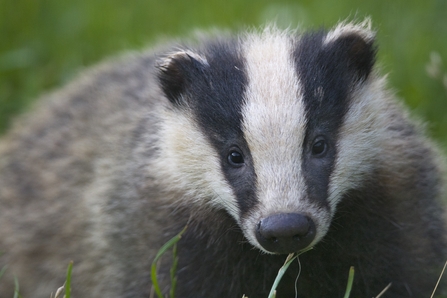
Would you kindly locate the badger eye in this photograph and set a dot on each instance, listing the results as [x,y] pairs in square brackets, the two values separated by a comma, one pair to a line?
[235,158]
[319,147]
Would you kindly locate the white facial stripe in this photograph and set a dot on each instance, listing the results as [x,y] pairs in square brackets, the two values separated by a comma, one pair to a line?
[358,145]
[190,163]
[274,124]
[274,120]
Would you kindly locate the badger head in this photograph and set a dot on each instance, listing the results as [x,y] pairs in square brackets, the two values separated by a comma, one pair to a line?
[271,127]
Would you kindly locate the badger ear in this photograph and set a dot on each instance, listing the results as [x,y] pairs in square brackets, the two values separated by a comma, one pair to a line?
[353,47]
[177,71]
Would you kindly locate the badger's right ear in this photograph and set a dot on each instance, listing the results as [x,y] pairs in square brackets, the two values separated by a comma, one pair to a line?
[177,72]
[352,48]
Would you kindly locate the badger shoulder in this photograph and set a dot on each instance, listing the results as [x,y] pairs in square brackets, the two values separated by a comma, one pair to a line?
[60,164]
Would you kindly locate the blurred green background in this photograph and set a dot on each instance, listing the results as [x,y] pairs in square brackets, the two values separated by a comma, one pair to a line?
[43,44]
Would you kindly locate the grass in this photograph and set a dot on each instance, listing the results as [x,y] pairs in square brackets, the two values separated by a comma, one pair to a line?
[290,258]
[439,280]
[3,271]
[171,244]
[65,290]
[16,288]
[350,282]
[45,43]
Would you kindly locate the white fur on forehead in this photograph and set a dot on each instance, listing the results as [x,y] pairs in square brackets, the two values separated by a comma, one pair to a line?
[274,124]
[273,113]
[362,29]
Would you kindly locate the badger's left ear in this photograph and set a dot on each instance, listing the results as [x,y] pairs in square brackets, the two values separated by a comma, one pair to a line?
[177,71]
[353,47]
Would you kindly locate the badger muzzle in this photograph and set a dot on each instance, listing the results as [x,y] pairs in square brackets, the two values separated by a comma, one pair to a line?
[285,233]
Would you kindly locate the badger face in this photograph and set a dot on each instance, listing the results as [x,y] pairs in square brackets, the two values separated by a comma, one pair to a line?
[255,126]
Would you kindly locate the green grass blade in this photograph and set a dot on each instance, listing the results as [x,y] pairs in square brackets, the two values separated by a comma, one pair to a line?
[162,250]
[3,271]
[16,288]
[350,282]
[173,271]
[283,269]
[68,281]
[280,274]
[155,281]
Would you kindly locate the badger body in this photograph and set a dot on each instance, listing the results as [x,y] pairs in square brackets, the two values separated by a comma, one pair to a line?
[262,144]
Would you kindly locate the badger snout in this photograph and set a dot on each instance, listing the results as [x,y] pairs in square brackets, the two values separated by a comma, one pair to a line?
[285,233]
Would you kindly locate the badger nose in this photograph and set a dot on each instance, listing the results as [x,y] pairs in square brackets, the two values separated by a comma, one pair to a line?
[285,233]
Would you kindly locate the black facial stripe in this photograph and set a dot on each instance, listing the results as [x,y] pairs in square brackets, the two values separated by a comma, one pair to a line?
[325,82]
[217,103]
[325,88]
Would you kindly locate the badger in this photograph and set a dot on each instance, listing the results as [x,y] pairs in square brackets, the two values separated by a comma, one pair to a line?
[264,143]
